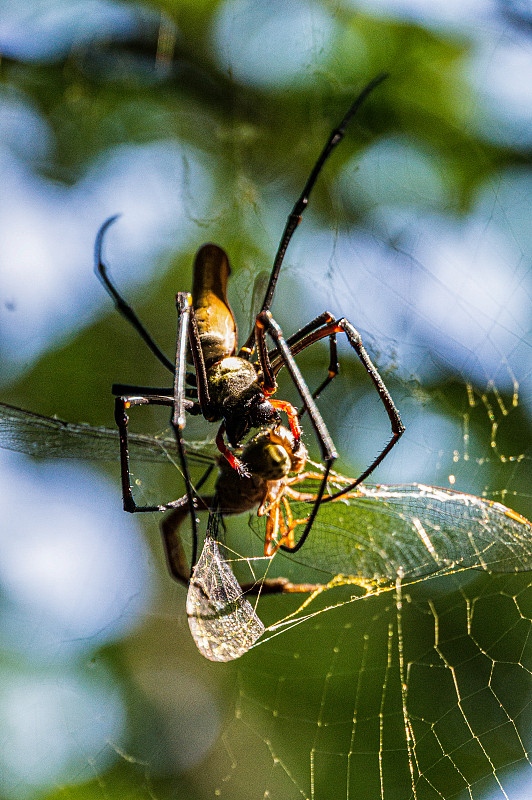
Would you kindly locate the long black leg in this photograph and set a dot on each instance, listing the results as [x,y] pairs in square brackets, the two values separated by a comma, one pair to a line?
[293,343]
[133,390]
[178,419]
[303,332]
[206,475]
[295,215]
[265,322]
[355,340]
[120,304]
[201,385]
[122,404]
[332,371]
[180,404]
[396,423]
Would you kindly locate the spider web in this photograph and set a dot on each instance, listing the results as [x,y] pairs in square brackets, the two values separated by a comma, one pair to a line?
[422,690]
[422,696]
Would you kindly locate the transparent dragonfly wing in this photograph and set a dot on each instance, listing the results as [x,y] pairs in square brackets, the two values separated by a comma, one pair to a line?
[223,623]
[48,437]
[381,532]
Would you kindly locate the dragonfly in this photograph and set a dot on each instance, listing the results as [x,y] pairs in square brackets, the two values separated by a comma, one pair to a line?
[371,535]
[375,532]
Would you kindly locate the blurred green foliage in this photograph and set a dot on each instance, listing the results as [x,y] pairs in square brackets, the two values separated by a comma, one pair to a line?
[297,697]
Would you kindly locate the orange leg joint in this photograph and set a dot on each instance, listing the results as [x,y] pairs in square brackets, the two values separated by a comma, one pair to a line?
[291,413]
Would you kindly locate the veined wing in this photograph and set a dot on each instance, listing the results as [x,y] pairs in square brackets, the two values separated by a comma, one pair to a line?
[48,437]
[223,623]
[380,532]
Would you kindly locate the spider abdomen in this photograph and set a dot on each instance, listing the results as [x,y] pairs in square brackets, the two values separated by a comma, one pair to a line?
[214,318]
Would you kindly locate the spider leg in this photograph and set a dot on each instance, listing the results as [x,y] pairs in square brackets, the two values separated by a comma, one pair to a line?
[332,327]
[122,405]
[120,304]
[296,337]
[279,534]
[294,218]
[297,342]
[180,404]
[187,332]
[199,380]
[313,513]
[334,366]
[332,371]
[173,548]
[293,343]
[272,528]
[265,322]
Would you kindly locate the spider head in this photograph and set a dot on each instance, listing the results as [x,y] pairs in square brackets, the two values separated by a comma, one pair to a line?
[256,412]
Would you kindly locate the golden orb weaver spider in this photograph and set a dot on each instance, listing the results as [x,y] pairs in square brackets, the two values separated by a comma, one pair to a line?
[227,385]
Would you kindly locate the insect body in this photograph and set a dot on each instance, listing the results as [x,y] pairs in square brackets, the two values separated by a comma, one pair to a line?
[272,462]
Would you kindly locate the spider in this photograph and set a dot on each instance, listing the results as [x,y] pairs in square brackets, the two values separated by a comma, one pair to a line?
[227,385]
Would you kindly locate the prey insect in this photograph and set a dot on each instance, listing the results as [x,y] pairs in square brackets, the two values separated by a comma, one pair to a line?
[273,461]
[368,536]
[226,385]
[372,532]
